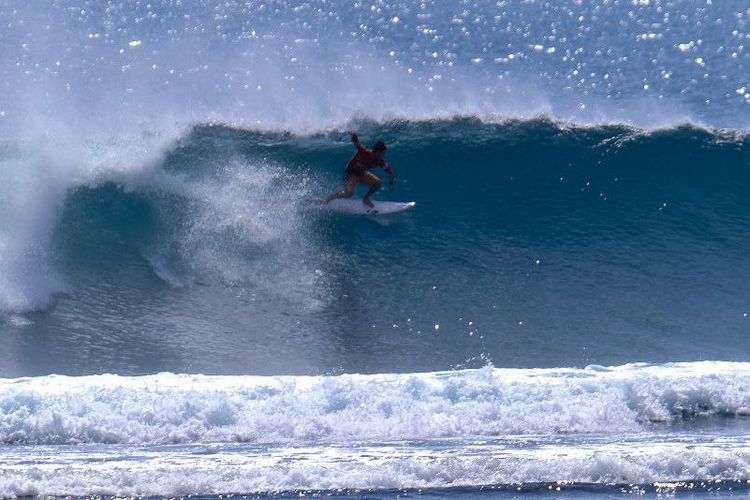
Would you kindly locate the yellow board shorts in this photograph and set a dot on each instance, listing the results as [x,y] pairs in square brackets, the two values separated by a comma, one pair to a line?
[366,177]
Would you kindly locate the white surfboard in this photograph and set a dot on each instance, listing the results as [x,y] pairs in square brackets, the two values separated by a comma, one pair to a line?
[355,206]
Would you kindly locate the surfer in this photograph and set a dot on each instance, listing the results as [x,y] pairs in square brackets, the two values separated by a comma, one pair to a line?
[358,171]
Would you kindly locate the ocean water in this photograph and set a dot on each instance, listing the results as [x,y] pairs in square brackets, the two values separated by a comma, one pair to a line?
[564,314]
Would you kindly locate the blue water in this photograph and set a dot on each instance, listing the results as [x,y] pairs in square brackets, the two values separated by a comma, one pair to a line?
[563,314]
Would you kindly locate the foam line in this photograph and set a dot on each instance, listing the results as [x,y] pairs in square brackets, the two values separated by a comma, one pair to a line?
[170,408]
[183,470]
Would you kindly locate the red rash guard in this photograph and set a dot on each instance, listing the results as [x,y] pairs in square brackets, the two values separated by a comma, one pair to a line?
[365,160]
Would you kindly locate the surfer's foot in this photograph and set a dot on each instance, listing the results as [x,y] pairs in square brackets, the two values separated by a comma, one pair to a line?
[367,202]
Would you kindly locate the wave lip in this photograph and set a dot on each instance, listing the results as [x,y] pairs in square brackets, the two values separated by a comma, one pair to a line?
[169,408]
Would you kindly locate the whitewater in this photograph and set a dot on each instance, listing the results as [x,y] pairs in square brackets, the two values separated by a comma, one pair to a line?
[136,436]
[563,314]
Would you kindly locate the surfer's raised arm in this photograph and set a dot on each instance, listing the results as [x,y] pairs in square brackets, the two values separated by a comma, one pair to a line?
[357,144]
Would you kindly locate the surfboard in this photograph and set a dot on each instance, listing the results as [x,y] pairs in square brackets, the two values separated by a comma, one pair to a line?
[355,206]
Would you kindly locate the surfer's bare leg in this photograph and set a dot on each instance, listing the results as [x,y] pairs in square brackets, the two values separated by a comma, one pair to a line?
[373,181]
[348,191]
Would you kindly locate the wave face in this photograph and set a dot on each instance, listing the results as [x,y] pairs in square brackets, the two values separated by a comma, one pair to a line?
[532,245]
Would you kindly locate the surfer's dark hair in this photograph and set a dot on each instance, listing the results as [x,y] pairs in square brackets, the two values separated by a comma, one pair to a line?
[379,146]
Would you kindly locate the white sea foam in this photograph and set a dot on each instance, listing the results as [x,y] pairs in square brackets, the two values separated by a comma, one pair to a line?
[184,470]
[168,408]
[30,194]
[472,428]
[38,170]
[238,211]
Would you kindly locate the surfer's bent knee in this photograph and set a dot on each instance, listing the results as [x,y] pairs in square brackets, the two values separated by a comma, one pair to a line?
[371,180]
